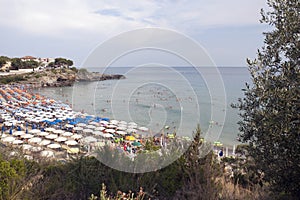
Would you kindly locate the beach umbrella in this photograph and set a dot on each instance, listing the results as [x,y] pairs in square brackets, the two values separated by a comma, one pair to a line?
[9,139]
[26,147]
[87,130]
[90,126]
[28,157]
[78,128]
[71,142]
[111,126]
[113,121]
[58,131]
[45,142]
[4,135]
[17,142]
[27,136]
[132,123]
[36,149]
[131,130]
[130,138]
[51,136]
[121,132]
[61,139]
[69,125]
[34,131]
[35,140]
[94,123]
[50,129]
[76,136]
[143,128]
[67,134]
[107,135]
[47,154]
[98,133]
[132,126]
[43,134]
[123,123]
[81,125]
[100,128]
[104,122]
[122,128]
[110,130]
[89,139]
[18,133]
[137,144]
[54,146]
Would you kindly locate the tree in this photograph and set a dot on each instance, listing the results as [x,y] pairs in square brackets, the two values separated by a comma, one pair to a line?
[3,60]
[270,110]
[62,62]
[16,64]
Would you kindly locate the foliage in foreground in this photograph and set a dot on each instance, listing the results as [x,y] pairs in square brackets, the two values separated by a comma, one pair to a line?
[270,110]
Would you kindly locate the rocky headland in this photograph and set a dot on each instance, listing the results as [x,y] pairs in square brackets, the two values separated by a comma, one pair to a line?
[56,77]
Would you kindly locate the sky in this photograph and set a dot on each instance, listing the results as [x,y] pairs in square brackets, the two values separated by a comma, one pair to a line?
[229,30]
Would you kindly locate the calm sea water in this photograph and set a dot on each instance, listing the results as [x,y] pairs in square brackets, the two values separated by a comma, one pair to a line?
[178,97]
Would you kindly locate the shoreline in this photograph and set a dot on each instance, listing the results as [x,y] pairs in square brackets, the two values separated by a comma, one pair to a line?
[26,114]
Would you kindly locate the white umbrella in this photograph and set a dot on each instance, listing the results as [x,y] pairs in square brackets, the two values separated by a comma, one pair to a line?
[132,123]
[122,128]
[87,130]
[18,142]
[45,142]
[90,126]
[71,142]
[81,125]
[54,146]
[110,130]
[76,136]
[58,131]
[4,135]
[123,123]
[69,125]
[108,135]
[50,129]
[43,134]
[111,126]
[121,132]
[18,133]
[8,124]
[36,149]
[35,140]
[34,131]
[27,136]
[130,130]
[143,128]
[26,146]
[100,128]
[89,139]
[47,154]
[67,134]
[9,139]
[94,123]
[98,133]
[61,139]
[51,136]
[28,157]
[132,126]
[78,128]
[103,122]
[114,121]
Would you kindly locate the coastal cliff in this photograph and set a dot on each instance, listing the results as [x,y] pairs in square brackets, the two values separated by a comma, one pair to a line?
[56,77]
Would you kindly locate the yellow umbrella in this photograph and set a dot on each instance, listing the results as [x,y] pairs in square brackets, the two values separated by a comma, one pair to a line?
[130,138]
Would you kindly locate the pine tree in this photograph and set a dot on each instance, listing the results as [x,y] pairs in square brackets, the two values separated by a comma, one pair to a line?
[270,109]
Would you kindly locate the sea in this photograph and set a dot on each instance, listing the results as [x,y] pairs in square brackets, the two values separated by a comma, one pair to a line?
[164,99]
